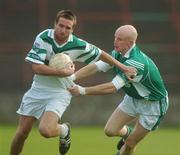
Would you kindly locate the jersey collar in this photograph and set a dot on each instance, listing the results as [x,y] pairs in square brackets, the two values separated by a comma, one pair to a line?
[129,51]
[51,35]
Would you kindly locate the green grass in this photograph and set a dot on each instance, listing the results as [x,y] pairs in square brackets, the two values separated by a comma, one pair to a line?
[92,141]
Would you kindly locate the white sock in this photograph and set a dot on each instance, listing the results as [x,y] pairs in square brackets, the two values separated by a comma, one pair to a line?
[63,130]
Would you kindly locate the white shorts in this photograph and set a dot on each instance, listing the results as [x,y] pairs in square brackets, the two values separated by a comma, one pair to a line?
[150,113]
[36,102]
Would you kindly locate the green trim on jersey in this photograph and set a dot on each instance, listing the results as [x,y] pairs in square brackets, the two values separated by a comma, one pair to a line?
[45,46]
[34,56]
[150,86]
[163,105]
[39,50]
[91,58]
[76,44]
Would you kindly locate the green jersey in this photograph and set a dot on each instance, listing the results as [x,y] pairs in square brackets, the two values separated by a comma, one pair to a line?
[148,83]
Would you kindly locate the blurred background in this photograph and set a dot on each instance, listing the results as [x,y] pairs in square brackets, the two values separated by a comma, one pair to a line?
[158,25]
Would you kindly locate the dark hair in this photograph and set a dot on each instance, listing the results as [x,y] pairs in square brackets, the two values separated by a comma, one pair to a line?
[67,14]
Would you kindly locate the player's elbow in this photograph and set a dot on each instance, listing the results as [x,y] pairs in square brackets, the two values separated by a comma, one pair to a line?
[37,68]
[110,91]
[113,90]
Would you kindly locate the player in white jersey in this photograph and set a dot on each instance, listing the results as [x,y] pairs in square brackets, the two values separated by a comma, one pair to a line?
[48,98]
[146,98]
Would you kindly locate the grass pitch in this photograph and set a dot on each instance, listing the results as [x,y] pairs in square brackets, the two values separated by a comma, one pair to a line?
[92,141]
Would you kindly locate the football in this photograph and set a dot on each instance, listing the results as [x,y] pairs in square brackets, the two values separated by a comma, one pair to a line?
[59,61]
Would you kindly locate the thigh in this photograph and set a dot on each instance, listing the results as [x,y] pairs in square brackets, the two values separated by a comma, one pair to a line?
[49,119]
[117,120]
[122,115]
[137,135]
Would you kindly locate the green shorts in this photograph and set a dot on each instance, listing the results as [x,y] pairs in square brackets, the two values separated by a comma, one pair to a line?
[149,113]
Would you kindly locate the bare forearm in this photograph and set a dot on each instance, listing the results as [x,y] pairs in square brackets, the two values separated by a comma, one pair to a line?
[46,70]
[86,71]
[128,70]
[112,61]
[106,88]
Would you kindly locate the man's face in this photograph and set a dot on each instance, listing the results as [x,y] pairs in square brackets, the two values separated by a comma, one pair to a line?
[120,42]
[63,28]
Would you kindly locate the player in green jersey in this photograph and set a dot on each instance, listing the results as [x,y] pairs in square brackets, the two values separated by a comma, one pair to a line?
[146,99]
[48,98]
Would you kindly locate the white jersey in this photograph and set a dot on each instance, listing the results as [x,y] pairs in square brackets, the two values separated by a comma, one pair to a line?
[45,47]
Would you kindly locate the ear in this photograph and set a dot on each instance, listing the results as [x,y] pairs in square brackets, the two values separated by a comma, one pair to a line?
[130,43]
[73,29]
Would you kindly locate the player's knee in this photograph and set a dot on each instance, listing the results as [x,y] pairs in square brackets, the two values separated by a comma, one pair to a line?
[45,132]
[109,132]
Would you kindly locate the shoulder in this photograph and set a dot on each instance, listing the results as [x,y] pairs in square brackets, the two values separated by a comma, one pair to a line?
[143,58]
[138,55]
[137,59]
[41,37]
[45,34]
[78,41]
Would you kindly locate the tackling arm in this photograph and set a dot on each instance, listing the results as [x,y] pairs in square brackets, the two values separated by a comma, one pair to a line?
[90,70]
[101,89]
[106,88]
[86,71]
[128,70]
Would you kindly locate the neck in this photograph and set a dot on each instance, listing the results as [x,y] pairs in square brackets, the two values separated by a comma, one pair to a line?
[60,40]
[124,51]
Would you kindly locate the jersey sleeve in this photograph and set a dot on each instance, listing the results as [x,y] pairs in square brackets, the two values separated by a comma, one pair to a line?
[89,54]
[38,52]
[118,82]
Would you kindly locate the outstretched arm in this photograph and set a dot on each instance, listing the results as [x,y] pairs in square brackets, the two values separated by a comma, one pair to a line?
[128,70]
[85,72]
[105,88]
[93,68]
[90,70]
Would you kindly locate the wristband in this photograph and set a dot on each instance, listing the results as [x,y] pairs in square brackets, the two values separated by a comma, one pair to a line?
[81,89]
[73,77]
